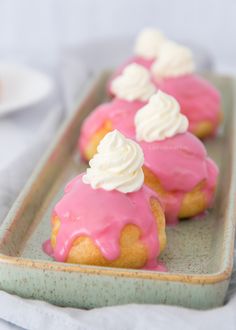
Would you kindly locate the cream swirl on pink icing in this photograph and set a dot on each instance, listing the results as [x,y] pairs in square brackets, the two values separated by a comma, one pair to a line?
[174,60]
[160,119]
[149,43]
[117,165]
[133,84]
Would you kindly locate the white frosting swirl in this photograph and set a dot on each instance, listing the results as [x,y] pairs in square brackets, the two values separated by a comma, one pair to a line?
[160,119]
[117,165]
[174,60]
[133,84]
[149,43]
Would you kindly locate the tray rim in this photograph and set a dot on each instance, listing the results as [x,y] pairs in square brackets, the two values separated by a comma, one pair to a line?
[212,278]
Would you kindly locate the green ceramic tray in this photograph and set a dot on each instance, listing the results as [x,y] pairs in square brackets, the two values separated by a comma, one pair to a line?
[199,255]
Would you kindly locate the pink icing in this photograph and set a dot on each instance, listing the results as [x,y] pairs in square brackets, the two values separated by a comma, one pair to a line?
[198,99]
[153,265]
[47,248]
[180,162]
[119,112]
[146,63]
[101,215]
[177,159]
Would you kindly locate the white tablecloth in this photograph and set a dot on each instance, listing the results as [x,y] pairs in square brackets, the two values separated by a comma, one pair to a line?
[17,312]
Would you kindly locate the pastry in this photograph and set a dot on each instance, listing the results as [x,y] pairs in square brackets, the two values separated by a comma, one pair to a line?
[199,101]
[132,91]
[107,216]
[176,165]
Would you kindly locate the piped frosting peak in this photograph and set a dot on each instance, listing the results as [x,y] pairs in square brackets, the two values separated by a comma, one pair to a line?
[160,119]
[174,60]
[117,165]
[133,84]
[149,43]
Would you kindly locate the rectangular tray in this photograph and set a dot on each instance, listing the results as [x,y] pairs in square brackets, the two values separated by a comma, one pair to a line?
[199,255]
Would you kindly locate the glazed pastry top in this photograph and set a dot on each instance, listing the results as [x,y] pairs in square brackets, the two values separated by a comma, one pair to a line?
[101,215]
[133,84]
[160,119]
[180,162]
[198,99]
[117,165]
[149,43]
[120,113]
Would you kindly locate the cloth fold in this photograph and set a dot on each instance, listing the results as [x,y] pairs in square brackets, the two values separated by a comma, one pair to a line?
[41,315]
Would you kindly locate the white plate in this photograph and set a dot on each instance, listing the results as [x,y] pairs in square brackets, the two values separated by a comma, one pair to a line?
[21,87]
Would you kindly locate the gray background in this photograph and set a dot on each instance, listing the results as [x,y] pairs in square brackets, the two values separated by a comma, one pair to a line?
[50,25]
